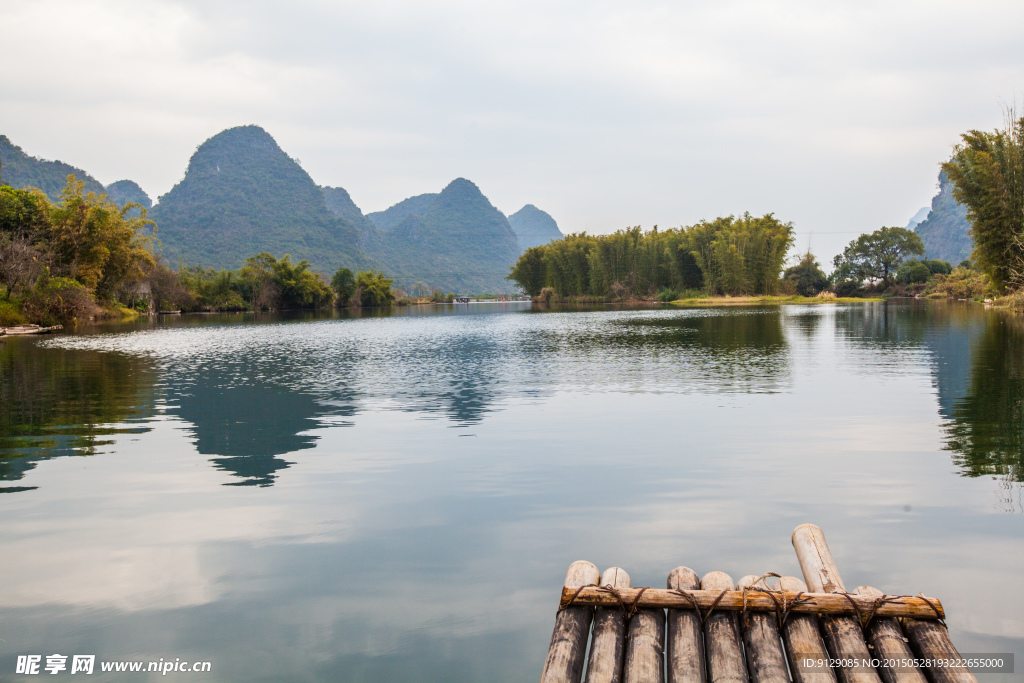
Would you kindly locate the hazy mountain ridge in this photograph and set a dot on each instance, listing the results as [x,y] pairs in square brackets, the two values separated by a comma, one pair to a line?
[918,217]
[946,230]
[534,227]
[19,170]
[392,216]
[124,191]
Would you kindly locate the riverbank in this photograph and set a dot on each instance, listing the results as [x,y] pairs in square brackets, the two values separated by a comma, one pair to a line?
[767,300]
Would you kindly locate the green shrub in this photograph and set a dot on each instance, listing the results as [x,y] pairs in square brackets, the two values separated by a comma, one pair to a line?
[913,272]
[56,301]
[938,267]
[10,314]
[666,294]
[962,283]
[807,277]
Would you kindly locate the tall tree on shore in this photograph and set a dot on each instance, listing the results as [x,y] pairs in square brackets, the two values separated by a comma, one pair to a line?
[529,271]
[987,171]
[876,255]
[344,285]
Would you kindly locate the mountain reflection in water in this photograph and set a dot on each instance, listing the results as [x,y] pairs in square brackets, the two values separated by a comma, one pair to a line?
[254,396]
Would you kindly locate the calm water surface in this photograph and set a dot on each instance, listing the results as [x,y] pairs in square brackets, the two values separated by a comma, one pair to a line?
[396,497]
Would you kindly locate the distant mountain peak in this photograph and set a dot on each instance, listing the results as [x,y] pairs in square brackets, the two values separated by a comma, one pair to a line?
[242,194]
[455,239]
[461,185]
[124,191]
[918,217]
[534,227]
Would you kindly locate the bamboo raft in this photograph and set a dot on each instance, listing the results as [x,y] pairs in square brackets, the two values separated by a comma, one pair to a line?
[28,329]
[710,629]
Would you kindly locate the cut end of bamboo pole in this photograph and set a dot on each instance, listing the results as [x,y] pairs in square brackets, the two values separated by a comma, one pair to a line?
[581,573]
[616,577]
[748,581]
[683,578]
[717,581]
[791,584]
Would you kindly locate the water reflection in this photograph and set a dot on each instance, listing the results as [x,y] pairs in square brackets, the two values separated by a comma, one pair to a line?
[255,394]
[379,550]
[247,425]
[986,426]
[58,402]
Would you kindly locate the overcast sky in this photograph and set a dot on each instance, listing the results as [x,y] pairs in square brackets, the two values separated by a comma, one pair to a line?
[833,115]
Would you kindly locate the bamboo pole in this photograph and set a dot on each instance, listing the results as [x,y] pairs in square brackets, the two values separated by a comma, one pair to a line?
[802,636]
[645,647]
[887,644]
[930,640]
[684,657]
[722,644]
[766,662]
[816,603]
[843,636]
[564,663]
[608,640]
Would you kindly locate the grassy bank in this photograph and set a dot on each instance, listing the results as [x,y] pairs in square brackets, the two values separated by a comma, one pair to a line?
[766,300]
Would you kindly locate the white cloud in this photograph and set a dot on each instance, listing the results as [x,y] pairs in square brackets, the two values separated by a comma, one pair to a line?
[833,115]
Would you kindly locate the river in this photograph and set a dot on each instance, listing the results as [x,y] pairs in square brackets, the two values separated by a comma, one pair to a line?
[396,495]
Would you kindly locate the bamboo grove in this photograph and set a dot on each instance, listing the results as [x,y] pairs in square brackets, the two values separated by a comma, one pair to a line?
[730,255]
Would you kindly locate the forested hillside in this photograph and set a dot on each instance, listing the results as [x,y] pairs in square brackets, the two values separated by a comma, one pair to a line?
[457,242]
[945,232]
[19,170]
[242,195]
[534,227]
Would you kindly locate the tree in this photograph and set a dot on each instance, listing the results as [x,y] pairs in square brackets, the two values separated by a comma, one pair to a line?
[913,272]
[936,266]
[24,224]
[24,213]
[374,289]
[258,275]
[97,243]
[987,172]
[529,271]
[300,287]
[741,255]
[280,283]
[876,256]
[732,255]
[807,276]
[344,285]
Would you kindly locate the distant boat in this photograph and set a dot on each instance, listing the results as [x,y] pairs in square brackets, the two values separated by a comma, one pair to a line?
[462,299]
